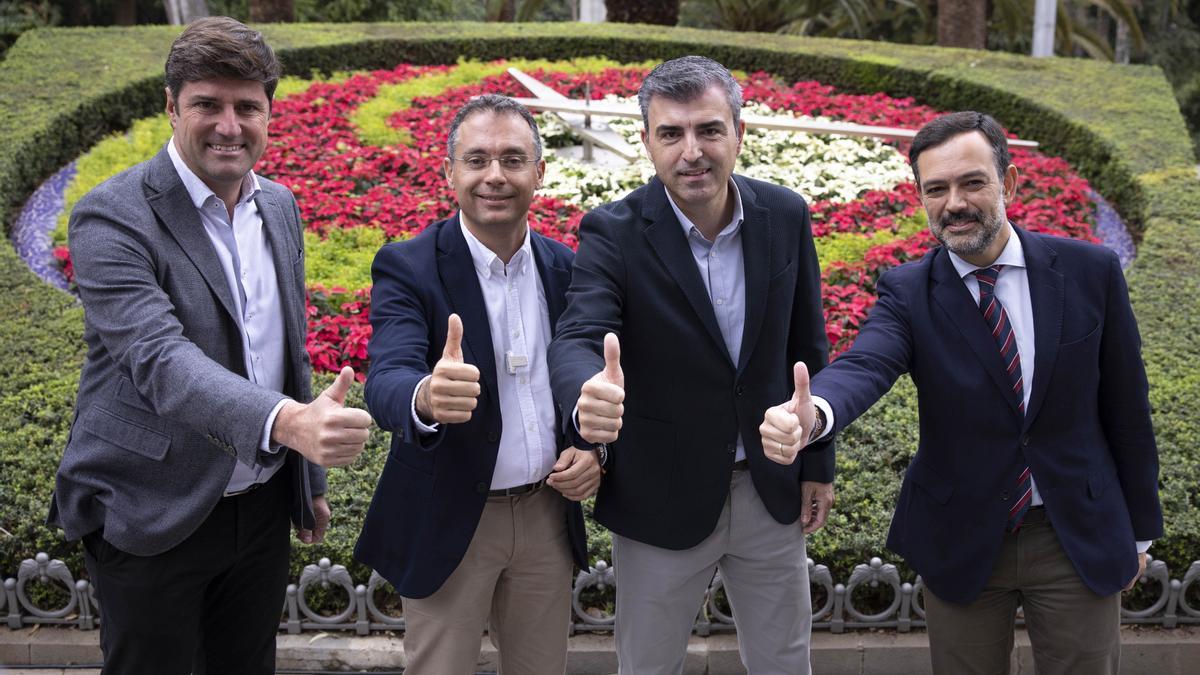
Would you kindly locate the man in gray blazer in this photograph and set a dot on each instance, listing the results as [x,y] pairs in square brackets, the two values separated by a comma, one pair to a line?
[179,474]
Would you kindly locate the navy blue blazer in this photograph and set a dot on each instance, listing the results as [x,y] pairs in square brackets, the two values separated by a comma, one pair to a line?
[1087,435]
[433,488]
[686,400]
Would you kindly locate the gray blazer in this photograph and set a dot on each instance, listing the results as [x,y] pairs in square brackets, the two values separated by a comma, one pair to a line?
[164,407]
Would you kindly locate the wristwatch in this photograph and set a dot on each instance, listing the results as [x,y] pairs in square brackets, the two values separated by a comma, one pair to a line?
[818,424]
[601,451]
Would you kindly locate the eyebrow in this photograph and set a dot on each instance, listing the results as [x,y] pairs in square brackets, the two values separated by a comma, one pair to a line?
[943,181]
[511,150]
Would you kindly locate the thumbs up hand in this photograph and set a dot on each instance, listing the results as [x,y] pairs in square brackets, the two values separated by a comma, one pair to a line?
[325,431]
[787,426]
[449,395]
[601,399]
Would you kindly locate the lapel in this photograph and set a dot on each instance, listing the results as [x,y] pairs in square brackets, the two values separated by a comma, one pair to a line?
[665,235]
[1046,295]
[285,253]
[174,208]
[457,271]
[963,314]
[555,277]
[756,256]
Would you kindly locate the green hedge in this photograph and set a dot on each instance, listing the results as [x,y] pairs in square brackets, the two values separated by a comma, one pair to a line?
[63,89]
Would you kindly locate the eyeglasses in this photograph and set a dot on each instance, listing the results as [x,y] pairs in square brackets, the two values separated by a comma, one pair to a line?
[509,163]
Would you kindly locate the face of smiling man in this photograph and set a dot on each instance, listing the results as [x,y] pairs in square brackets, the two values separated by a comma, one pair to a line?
[694,146]
[964,197]
[220,130]
[494,201]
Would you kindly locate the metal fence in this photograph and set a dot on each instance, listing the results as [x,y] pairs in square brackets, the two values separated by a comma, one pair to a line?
[362,614]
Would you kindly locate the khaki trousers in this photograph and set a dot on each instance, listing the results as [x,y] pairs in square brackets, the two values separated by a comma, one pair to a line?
[1073,631]
[515,579]
[765,571]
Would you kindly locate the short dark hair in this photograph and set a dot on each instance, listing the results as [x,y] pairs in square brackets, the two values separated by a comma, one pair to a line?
[687,78]
[950,125]
[222,47]
[500,105]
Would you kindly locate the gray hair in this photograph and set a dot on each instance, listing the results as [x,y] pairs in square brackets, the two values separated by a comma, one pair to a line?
[500,105]
[687,78]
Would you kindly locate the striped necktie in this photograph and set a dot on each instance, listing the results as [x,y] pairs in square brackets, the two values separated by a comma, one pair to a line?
[997,320]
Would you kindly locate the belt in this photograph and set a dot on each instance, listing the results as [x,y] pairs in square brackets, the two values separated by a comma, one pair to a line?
[519,490]
[741,465]
[246,490]
[1035,514]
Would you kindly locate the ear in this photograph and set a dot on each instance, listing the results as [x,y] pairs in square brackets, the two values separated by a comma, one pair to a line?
[1010,183]
[741,133]
[170,107]
[448,171]
[541,172]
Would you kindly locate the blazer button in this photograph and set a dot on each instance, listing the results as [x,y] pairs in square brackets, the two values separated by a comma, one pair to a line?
[493,436]
[481,488]
[1025,440]
[740,390]
[1004,496]
[731,448]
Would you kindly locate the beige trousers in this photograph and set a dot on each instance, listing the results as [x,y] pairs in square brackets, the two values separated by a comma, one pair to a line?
[765,571]
[515,579]
[1073,631]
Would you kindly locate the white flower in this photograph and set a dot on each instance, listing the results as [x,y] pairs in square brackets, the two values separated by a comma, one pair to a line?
[818,167]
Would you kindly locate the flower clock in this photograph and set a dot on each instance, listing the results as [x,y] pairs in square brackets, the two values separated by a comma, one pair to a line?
[363,155]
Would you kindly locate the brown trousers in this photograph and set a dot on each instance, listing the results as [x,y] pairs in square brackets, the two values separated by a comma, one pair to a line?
[515,579]
[1073,631]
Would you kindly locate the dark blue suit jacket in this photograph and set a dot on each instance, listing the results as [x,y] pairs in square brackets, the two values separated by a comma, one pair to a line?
[1086,436]
[686,400]
[433,488]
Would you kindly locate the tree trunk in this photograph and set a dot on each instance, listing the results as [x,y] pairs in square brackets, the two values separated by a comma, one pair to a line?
[182,12]
[661,12]
[125,12]
[272,11]
[962,23]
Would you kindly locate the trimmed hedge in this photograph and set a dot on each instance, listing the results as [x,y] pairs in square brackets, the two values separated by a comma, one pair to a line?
[62,89]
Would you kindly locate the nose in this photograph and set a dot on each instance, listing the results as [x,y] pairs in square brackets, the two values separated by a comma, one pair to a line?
[227,122]
[493,173]
[956,200]
[691,148]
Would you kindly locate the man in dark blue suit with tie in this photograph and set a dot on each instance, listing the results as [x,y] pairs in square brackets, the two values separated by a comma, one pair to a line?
[1035,482]
[475,520]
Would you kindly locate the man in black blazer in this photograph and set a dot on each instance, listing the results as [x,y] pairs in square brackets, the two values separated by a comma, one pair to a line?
[1035,482]
[475,519]
[707,287]
[178,475]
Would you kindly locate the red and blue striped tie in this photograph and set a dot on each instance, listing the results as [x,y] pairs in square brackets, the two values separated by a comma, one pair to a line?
[1002,333]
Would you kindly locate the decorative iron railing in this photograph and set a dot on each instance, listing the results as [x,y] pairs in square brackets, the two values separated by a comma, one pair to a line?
[362,614]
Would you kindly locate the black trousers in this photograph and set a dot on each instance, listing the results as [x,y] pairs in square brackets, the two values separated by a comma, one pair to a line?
[211,605]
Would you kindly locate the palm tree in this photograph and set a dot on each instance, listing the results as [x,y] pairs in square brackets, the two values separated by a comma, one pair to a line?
[962,23]
[661,12]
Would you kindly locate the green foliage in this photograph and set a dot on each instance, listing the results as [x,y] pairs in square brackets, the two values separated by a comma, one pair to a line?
[851,246]
[371,118]
[110,157]
[64,89]
[343,258]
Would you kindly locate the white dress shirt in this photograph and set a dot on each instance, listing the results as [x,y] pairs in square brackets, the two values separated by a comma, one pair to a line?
[519,320]
[244,251]
[1012,290]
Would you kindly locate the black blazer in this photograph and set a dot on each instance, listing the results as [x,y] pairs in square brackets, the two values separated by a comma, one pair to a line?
[433,488]
[1086,435]
[686,401]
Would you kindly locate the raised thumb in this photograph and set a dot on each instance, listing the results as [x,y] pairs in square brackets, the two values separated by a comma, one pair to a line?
[337,390]
[612,359]
[800,375]
[454,333]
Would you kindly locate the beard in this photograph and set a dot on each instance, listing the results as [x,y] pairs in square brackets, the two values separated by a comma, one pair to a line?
[973,242]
